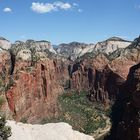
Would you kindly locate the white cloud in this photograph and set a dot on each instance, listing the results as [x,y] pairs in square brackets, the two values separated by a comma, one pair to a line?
[42,8]
[50,7]
[7,9]
[61,5]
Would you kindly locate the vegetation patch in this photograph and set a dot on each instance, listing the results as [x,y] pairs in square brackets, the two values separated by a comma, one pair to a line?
[5,131]
[23,120]
[80,113]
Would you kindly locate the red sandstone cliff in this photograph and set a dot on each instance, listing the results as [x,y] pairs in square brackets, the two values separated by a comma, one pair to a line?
[33,95]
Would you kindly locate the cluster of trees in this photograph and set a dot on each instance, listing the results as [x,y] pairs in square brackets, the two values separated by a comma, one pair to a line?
[5,131]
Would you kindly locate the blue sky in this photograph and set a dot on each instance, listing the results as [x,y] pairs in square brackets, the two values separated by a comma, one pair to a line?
[69,20]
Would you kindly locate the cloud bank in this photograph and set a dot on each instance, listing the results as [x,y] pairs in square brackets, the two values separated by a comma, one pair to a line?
[50,7]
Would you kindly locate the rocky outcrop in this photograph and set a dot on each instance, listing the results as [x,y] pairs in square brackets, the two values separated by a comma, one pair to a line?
[52,131]
[74,49]
[32,50]
[111,45]
[4,44]
[126,110]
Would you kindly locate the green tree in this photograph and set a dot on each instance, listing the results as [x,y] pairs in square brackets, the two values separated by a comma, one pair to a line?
[5,131]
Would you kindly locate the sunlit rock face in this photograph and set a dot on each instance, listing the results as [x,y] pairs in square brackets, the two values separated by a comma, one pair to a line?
[5,44]
[24,55]
[35,89]
[33,46]
[74,49]
[35,81]
[111,45]
[52,131]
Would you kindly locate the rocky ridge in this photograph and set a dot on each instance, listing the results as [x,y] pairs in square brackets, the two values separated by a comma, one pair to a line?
[75,49]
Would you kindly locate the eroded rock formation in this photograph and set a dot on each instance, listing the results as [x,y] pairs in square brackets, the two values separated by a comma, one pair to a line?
[102,82]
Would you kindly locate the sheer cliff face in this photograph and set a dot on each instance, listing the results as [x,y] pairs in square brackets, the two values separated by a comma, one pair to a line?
[5,66]
[33,81]
[111,45]
[126,110]
[100,80]
[33,95]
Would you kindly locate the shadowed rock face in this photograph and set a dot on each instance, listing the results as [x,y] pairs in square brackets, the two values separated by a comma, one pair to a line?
[107,84]
[102,82]
[126,110]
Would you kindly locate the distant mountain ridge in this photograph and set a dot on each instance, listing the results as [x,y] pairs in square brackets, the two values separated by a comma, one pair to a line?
[73,49]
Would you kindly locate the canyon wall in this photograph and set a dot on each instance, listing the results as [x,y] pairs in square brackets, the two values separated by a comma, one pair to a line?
[32,81]
[126,110]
